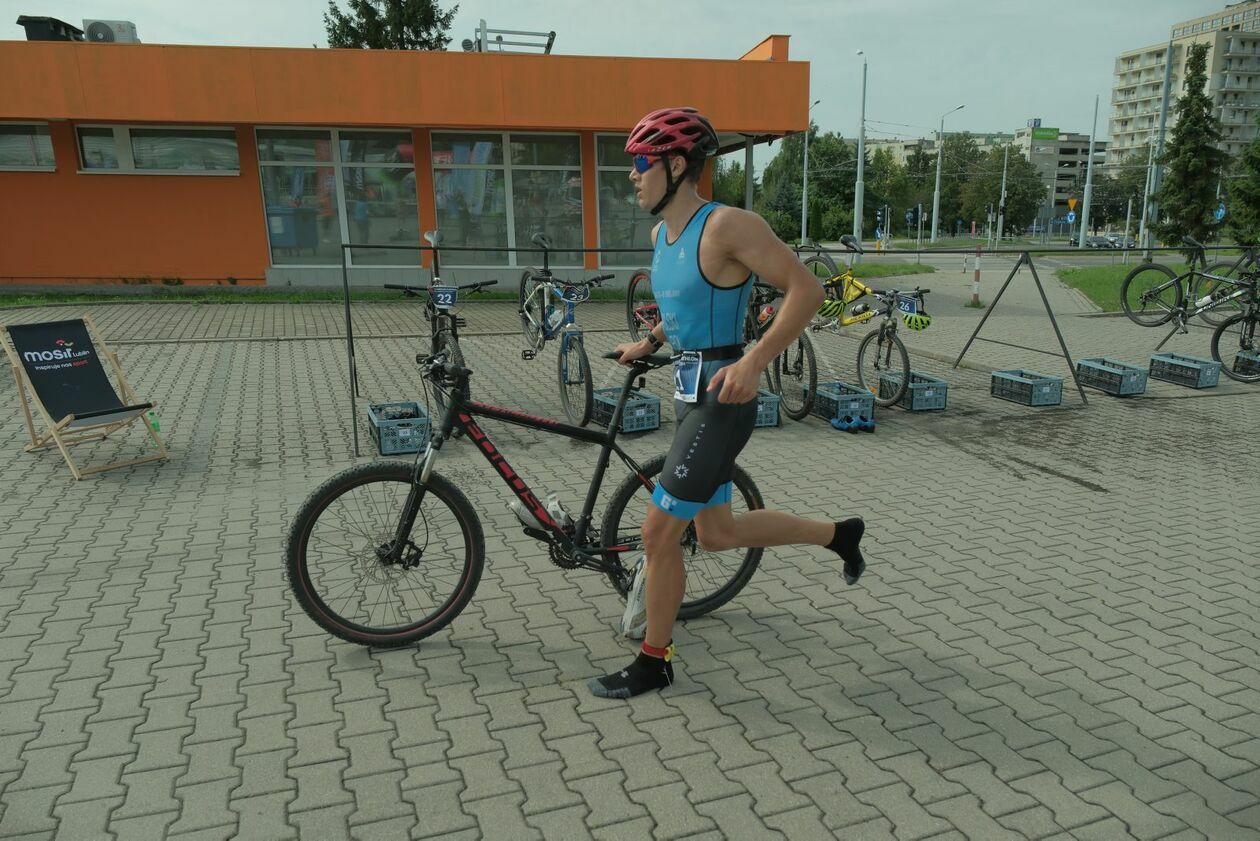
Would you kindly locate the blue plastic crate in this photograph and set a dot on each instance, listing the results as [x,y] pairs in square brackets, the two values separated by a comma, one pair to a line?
[837,400]
[1111,376]
[767,408]
[1247,362]
[1192,371]
[396,435]
[1027,387]
[925,393]
[642,412]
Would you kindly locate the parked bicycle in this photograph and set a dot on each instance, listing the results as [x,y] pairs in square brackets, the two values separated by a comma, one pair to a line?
[1236,340]
[881,351]
[642,313]
[439,304]
[1153,294]
[387,553]
[793,375]
[546,306]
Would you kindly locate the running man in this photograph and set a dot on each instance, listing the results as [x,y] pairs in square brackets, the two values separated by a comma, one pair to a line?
[702,271]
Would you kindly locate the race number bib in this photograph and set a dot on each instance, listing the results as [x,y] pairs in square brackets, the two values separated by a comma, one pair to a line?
[687,376]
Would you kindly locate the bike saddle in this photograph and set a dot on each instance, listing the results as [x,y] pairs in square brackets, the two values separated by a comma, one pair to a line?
[852,244]
[540,239]
[433,238]
[656,360]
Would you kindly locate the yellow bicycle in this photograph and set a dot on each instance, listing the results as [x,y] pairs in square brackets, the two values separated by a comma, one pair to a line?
[881,351]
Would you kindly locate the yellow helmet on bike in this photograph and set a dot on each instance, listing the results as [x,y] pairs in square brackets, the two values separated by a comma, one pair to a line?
[917,321]
[831,308]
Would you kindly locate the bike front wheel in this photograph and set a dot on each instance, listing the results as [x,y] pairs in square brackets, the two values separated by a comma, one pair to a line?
[1150,294]
[574,373]
[712,578]
[795,378]
[642,313]
[881,352]
[336,562]
[1236,336]
[1204,286]
[532,304]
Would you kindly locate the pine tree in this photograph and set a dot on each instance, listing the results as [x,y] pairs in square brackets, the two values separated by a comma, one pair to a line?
[399,25]
[1187,194]
[1244,196]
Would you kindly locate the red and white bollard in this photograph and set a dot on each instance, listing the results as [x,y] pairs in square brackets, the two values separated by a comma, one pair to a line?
[975,283]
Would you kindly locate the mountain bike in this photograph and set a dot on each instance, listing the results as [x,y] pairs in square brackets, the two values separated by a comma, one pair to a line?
[1240,335]
[793,375]
[546,307]
[881,351]
[387,553]
[642,313]
[1153,294]
[439,303]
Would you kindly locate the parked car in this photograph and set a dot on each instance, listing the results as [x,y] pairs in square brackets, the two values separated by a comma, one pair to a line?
[1091,242]
[1121,241]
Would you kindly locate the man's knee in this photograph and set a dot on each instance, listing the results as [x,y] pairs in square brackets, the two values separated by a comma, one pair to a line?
[661,533]
[714,539]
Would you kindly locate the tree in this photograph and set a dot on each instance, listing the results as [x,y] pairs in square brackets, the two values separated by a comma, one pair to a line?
[1243,220]
[1187,193]
[728,183]
[886,185]
[1025,191]
[403,25]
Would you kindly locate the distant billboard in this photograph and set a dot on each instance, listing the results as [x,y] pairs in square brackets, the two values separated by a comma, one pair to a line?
[1045,134]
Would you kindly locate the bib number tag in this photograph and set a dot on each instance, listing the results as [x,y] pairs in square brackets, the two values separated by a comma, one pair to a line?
[908,304]
[687,376]
[444,297]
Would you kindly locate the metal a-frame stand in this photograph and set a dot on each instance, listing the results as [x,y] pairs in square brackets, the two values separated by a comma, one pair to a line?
[1026,260]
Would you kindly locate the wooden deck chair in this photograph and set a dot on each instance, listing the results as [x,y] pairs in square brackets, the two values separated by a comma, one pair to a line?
[59,363]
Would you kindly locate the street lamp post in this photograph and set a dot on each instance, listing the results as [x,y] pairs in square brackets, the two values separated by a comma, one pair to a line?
[859,189]
[805,175]
[940,153]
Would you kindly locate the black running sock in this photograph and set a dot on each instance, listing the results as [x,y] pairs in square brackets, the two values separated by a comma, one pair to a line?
[845,544]
[643,675]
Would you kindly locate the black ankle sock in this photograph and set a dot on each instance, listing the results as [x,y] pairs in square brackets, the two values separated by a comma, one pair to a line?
[844,543]
[643,675]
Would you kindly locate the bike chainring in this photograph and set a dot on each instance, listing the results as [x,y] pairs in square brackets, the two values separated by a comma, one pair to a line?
[563,558]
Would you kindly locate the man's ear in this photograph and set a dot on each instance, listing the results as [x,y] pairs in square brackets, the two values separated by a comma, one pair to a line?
[677,166]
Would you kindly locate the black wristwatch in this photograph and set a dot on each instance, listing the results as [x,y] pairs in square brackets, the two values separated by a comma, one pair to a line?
[656,343]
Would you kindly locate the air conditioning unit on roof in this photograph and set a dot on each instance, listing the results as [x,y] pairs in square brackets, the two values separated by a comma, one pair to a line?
[110,31]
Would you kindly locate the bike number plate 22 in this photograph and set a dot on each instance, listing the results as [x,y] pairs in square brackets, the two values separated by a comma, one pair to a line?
[908,304]
[444,296]
[687,377]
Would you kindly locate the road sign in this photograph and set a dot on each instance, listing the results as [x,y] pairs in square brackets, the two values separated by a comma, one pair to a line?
[1071,217]
[879,234]
[1071,204]
[1220,212]
[909,215]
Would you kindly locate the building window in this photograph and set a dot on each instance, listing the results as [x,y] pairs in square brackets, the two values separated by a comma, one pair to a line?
[159,151]
[622,223]
[25,146]
[323,187]
[495,191]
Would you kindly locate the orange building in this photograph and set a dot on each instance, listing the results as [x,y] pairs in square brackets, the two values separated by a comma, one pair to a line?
[183,164]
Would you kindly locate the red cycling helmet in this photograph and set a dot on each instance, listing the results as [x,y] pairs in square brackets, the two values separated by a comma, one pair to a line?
[680,129]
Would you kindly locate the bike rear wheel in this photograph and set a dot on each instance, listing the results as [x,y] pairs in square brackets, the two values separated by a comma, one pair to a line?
[642,313]
[795,378]
[713,578]
[823,267]
[1240,334]
[1204,286]
[1150,294]
[533,309]
[334,565]
[573,369]
[881,352]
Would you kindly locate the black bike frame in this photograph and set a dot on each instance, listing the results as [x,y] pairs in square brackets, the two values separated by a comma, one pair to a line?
[461,411]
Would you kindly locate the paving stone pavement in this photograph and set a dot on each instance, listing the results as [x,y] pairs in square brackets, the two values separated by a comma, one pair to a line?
[1057,635]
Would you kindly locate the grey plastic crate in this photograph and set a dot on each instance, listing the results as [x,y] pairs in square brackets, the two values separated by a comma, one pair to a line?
[1111,376]
[1027,387]
[1192,371]
[1247,362]
[837,399]
[642,412]
[767,408]
[924,394]
[394,436]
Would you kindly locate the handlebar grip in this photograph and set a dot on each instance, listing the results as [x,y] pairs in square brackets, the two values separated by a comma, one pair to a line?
[924,291]
[601,278]
[397,286]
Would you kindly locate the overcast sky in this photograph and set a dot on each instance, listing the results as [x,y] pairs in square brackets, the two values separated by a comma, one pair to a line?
[1006,60]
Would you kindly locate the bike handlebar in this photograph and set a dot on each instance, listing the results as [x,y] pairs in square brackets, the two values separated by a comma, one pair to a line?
[415,290]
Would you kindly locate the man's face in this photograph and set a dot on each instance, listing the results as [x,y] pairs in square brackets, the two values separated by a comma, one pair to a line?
[647,173]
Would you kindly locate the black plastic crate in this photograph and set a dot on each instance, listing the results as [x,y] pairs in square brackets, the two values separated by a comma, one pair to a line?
[642,412]
[398,427]
[924,393]
[1111,376]
[1247,362]
[1192,371]
[837,399]
[1027,387]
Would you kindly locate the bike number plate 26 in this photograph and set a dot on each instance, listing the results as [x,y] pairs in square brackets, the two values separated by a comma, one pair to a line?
[687,377]
[908,304]
[444,296]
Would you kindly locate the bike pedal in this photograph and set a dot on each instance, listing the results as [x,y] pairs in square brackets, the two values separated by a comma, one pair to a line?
[527,355]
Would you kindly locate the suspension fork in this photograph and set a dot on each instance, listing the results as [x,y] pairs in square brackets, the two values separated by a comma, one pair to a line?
[421,471]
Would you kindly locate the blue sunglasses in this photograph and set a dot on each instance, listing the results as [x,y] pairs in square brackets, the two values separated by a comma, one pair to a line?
[642,163]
